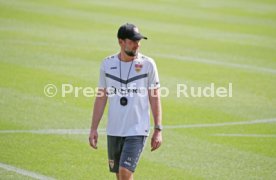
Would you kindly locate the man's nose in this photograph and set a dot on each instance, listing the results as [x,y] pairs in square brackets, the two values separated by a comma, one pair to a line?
[137,44]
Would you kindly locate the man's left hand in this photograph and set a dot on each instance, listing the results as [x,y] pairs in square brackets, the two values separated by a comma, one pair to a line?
[156,140]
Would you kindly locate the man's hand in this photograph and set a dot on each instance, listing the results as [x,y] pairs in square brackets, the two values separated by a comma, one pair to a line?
[98,111]
[156,140]
[93,139]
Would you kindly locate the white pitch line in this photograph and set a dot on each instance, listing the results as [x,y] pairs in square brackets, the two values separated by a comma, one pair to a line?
[259,121]
[24,172]
[227,64]
[102,130]
[52,131]
[247,135]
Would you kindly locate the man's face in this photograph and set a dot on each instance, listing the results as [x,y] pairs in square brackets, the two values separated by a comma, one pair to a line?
[130,47]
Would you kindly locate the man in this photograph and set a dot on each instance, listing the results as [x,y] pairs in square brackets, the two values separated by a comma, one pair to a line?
[130,81]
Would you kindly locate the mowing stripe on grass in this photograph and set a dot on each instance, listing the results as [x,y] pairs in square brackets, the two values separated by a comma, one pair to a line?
[209,61]
[258,121]
[247,135]
[24,172]
[102,130]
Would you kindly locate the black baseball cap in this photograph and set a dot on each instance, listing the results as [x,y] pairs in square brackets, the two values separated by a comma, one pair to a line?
[130,31]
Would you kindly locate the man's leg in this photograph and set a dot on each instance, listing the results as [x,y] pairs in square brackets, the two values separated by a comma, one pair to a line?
[132,149]
[125,174]
[114,146]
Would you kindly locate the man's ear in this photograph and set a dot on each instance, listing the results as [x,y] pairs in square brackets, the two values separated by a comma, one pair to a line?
[120,41]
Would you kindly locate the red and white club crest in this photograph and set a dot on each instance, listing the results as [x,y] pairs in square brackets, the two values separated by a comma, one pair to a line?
[138,67]
[111,163]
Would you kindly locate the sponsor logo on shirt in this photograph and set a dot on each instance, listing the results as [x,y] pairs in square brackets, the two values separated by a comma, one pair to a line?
[125,91]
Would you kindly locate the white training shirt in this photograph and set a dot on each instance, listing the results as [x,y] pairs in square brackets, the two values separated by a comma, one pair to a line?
[134,118]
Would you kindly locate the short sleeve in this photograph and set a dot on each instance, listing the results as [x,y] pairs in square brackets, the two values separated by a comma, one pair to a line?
[153,80]
[102,80]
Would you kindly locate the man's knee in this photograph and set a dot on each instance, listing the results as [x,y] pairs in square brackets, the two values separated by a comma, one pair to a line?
[125,174]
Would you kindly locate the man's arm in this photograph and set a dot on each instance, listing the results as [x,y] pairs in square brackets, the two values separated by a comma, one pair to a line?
[98,111]
[155,103]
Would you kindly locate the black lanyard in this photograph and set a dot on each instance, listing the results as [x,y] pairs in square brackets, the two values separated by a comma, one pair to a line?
[127,75]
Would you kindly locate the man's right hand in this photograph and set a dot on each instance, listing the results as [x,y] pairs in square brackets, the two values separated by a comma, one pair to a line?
[93,139]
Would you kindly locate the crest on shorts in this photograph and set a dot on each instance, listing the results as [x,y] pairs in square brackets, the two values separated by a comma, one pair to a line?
[138,67]
[111,163]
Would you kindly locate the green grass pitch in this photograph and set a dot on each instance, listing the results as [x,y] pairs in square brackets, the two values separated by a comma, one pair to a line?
[193,42]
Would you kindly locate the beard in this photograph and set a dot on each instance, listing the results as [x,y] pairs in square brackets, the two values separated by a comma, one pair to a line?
[131,53]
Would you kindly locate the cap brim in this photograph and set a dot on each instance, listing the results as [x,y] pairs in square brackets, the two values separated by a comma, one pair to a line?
[138,37]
